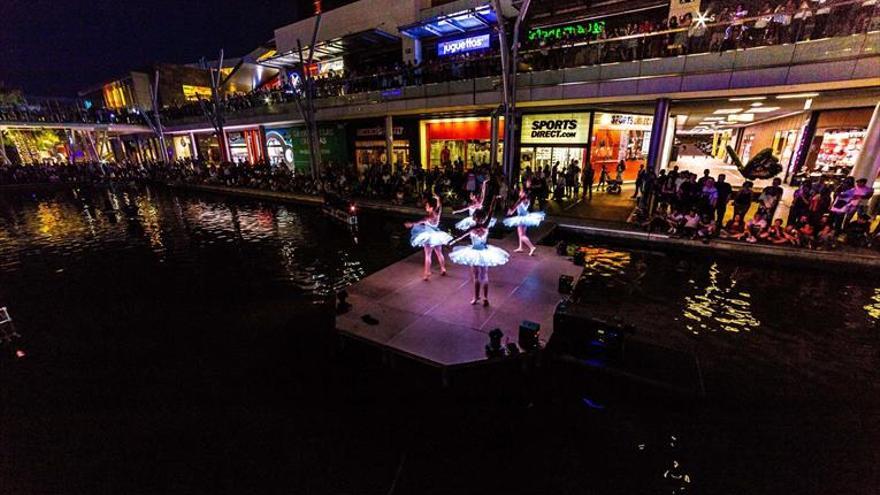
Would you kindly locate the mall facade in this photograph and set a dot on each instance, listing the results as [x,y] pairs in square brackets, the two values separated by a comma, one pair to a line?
[582,96]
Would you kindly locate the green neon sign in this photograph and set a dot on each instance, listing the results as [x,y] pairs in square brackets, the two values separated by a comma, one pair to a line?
[578,30]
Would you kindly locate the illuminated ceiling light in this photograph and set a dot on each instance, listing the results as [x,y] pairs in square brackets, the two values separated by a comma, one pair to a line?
[742,117]
[796,95]
[748,98]
[757,104]
[763,109]
[727,111]
[713,118]
[808,103]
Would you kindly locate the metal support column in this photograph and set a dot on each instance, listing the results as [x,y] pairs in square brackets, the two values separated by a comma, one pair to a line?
[493,143]
[658,134]
[389,140]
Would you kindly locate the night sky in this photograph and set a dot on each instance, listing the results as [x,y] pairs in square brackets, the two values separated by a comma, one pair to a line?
[59,47]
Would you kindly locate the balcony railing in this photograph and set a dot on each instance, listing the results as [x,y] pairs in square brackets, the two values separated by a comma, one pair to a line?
[848,34]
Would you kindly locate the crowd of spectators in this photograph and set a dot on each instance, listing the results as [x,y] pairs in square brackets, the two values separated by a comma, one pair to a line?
[682,205]
[63,111]
[819,217]
[726,27]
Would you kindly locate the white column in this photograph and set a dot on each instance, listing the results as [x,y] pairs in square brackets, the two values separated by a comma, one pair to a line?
[868,163]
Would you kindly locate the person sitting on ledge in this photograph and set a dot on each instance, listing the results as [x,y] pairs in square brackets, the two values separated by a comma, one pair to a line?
[756,226]
[775,234]
[707,228]
[691,224]
[734,229]
[826,238]
[856,231]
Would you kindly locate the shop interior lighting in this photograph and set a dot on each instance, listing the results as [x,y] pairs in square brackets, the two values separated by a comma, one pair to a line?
[808,103]
[713,118]
[763,109]
[727,111]
[796,95]
[742,117]
[748,98]
[757,104]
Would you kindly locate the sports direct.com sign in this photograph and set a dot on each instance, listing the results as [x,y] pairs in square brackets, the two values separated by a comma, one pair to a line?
[556,128]
[463,45]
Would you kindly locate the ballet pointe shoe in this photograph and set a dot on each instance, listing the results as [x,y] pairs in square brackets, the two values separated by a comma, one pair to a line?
[426,276]
[485,303]
[475,301]
[443,272]
[532,251]
[518,250]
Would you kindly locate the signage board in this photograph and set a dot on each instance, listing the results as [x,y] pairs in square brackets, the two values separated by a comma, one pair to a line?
[623,121]
[575,31]
[678,8]
[290,146]
[464,45]
[556,128]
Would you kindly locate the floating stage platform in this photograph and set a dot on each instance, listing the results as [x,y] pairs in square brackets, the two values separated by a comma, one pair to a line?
[433,322]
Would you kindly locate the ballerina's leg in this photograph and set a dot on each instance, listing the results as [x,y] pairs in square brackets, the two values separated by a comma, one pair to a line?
[438,250]
[520,232]
[427,272]
[484,279]
[525,239]
[475,275]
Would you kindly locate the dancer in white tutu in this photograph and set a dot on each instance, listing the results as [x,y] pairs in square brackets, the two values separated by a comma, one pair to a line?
[522,220]
[476,203]
[426,233]
[479,256]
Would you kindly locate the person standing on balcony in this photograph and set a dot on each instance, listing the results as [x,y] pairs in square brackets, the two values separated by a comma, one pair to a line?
[799,30]
[823,11]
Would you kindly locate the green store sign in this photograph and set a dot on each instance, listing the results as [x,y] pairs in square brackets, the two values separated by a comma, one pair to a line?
[577,30]
[331,143]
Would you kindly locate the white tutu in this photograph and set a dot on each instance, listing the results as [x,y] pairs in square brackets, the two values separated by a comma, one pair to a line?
[483,256]
[468,223]
[532,219]
[428,235]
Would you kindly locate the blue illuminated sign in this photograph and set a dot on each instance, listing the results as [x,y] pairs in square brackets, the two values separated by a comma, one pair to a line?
[463,45]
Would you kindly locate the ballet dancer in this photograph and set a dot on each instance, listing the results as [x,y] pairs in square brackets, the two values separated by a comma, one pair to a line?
[479,256]
[476,203]
[426,234]
[522,220]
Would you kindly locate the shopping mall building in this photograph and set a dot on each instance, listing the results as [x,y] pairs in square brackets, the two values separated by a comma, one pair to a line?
[614,82]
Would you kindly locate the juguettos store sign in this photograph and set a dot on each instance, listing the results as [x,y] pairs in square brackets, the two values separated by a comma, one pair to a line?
[556,128]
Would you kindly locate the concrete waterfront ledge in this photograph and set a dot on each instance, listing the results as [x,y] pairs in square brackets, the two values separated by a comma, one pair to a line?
[612,232]
[753,252]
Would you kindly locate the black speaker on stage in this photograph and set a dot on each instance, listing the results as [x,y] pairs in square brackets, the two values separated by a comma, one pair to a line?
[528,335]
[561,248]
[566,282]
[579,258]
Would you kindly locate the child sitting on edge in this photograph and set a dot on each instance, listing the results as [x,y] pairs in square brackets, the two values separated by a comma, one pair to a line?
[691,224]
[706,229]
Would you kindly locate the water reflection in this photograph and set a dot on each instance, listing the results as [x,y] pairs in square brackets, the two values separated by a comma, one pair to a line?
[253,242]
[873,307]
[718,305]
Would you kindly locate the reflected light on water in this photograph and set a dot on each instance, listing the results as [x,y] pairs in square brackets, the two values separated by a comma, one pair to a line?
[719,306]
[873,308]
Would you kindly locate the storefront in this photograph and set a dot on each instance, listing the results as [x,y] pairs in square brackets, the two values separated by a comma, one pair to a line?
[183,147]
[370,147]
[780,136]
[839,138]
[558,139]
[618,137]
[290,146]
[244,146]
[462,141]
[208,147]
